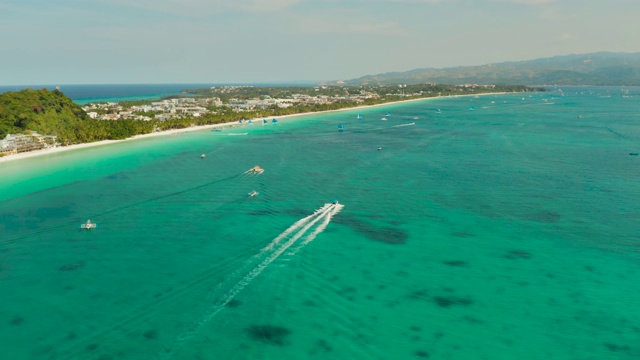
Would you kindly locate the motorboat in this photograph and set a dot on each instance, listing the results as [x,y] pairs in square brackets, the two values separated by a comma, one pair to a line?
[88,225]
[253,193]
[384,119]
[255,170]
[335,202]
[203,156]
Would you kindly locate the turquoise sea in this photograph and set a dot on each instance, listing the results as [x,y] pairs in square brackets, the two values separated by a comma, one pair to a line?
[501,227]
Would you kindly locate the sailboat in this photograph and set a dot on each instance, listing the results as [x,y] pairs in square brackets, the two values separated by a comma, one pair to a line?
[387,114]
[341,127]
[274,121]
[264,121]
[359,116]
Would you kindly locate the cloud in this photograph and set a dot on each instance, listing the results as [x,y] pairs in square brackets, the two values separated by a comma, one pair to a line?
[343,27]
[198,8]
[535,2]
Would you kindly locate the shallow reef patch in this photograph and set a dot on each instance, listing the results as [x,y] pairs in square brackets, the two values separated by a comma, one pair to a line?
[72,266]
[448,301]
[385,235]
[269,334]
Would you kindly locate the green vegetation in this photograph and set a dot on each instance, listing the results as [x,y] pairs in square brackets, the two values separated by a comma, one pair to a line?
[52,113]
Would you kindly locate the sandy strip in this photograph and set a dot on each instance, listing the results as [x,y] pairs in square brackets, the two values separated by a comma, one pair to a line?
[58,149]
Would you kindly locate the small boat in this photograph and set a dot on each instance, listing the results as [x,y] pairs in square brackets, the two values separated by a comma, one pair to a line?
[253,193]
[203,156]
[415,118]
[250,122]
[335,202]
[359,116]
[217,130]
[274,121]
[471,108]
[341,127]
[384,119]
[241,121]
[379,148]
[264,121]
[438,111]
[387,114]
[88,225]
[255,170]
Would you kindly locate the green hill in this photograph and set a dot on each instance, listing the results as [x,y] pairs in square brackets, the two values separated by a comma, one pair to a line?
[604,69]
[52,113]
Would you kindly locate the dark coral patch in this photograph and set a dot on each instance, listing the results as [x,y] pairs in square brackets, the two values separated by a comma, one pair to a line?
[421,354]
[233,303]
[381,234]
[463,234]
[517,254]
[269,334]
[150,334]
[323,345]
[72,267]
[92,347]
[16,320]
[309,303]
[448,301]
[616,348]
[544,217]
[457,263]
[418,294]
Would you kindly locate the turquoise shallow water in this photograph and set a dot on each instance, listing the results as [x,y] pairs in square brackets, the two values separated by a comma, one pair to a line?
[509,231]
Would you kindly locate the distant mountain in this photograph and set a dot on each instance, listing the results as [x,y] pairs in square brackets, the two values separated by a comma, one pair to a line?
[603,68]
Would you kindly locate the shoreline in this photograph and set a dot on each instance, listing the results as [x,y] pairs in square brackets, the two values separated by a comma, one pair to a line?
[59,149]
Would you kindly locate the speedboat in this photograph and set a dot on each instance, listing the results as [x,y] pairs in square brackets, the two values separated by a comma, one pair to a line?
[384,119]
[256,170]
[203,156]
[335,202]
[253,193]
[88,225]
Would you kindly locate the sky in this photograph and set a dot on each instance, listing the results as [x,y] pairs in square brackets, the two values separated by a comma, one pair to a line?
[268,41]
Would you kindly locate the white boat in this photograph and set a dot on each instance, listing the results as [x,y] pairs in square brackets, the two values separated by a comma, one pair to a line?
[255,170]
[384,119]
[253,193]
[88,225]
[415,118]
[203,156]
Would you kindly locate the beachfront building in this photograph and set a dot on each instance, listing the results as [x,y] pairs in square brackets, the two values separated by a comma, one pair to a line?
[19,143]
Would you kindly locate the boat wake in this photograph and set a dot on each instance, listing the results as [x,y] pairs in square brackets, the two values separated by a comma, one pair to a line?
[401,125]
[298,235]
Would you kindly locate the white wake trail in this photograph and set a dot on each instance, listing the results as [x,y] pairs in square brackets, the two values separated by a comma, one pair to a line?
[297,225]
[300,227]
[319,229]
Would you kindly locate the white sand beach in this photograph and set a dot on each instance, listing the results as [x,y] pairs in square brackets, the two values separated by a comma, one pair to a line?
[58,149]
